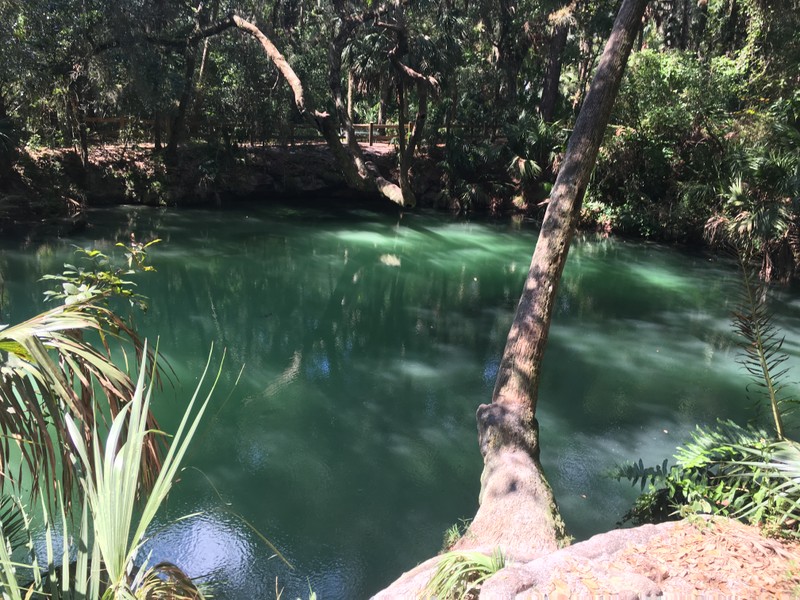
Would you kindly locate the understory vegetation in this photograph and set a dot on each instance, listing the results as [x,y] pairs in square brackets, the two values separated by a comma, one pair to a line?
[751,472]
[85,467]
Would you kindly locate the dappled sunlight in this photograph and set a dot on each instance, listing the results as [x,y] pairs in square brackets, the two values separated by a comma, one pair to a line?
[368,342]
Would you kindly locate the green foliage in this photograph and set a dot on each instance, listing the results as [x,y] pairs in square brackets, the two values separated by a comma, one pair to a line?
[454,533]
[114,515]
[459,575]
[48,364]
[520,162]
[98,280]
[736,471]
[724,470]
[636,472]
[535,146]
[762,354]
[759,202]
[666,141]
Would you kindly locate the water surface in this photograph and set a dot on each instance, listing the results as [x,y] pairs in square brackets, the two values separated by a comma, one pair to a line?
[368,340]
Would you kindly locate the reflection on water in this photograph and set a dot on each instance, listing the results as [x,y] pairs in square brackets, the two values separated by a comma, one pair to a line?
[368,341]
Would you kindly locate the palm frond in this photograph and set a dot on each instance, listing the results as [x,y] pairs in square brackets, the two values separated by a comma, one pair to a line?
[97,561]
[49,368]
[13,521]
[773,471]
[112,478]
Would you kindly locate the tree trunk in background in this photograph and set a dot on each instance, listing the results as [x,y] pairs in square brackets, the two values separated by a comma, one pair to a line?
[360,174]
[517,509]
[552,75]
[699,27]
[187,93]
[383,106]
[350,85]
[157,130]
[507,62]
[8,146]
[406,80]
[77,104]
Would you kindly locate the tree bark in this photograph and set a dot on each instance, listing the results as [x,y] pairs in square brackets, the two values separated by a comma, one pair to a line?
[179,121]
[358,173]
[8,146]
[350,85]
[424,84]
[517,509]
[552,75]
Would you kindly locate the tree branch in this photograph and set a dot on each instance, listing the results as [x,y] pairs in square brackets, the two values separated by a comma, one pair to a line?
[278,60]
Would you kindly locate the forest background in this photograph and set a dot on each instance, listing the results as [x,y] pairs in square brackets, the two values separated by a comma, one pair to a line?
[481,96]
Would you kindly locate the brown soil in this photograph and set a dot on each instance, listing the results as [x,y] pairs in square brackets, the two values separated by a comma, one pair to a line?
[719,557]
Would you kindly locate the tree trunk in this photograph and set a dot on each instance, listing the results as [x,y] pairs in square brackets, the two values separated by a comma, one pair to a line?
[507,59]
[552,75]
[157,130]
[187,93]
[356,170]
[517,510]
[78,110]
[201,32]
[8,146]
[350,86]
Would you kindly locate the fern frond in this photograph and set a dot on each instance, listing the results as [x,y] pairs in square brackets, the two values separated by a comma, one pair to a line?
[636,472]
[762,354]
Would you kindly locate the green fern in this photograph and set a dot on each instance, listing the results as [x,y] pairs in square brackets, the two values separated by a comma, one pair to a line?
[762,355]
[636,472]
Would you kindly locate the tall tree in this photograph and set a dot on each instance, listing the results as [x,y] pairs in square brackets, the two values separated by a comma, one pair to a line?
[517,510]
[560,22]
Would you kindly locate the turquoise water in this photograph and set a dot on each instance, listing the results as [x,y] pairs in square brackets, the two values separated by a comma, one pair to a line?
[368,340]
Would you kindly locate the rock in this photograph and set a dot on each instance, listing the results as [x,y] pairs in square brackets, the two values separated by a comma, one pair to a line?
[716,557]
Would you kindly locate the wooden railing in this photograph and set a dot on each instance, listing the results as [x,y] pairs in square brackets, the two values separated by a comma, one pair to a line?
[373,128]
[291,132]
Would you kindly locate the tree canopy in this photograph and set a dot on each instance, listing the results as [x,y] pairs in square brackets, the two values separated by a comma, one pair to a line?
[706,130]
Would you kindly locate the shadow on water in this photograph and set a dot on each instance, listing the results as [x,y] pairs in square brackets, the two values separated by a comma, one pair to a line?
[368,341]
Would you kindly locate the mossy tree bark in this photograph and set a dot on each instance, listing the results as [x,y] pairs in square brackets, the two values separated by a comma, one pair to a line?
[517,509]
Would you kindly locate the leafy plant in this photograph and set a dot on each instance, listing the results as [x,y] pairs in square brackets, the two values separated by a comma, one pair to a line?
[741,472]
[114,514]
[98,279]
[50,369]
[459,575]
[727,470]
[454,533]
[762,354]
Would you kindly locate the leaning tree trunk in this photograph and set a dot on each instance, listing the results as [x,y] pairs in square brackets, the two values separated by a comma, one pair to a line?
[357,172]
[517,511]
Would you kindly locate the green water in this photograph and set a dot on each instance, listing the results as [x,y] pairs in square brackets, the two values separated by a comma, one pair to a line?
[368,340]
